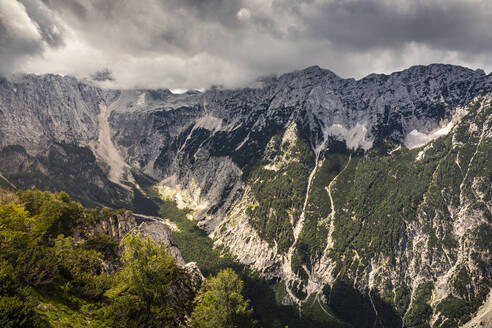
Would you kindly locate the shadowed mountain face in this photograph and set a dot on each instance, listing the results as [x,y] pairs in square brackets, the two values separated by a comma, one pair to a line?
[378,188]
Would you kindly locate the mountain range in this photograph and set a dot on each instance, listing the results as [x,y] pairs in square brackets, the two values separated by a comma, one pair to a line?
[371,197]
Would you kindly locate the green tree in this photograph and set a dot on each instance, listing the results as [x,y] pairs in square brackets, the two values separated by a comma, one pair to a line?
[34,264]
[221,304]
[15,313]
[53,214]
[82,267]
[16,309]
[148,274]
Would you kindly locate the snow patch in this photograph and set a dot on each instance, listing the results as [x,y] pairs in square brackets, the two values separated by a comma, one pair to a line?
[355,137]
[178,91]
[141,99]
[417,139]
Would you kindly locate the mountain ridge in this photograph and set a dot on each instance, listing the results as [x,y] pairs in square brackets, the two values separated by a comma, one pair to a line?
[261,160]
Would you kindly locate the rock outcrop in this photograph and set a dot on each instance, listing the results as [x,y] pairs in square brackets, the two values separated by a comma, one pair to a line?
[116,226]
[160,233]
[120,225]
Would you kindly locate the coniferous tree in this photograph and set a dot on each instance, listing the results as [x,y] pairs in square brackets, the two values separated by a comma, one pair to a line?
[221,304]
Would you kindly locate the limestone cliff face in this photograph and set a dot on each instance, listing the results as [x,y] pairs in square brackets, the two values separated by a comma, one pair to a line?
[382,184]
[160,233]
[116,226]
[37,111]
[367,138]
[48,129]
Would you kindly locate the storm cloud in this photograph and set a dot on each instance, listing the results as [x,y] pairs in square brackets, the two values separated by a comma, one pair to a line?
[191,44]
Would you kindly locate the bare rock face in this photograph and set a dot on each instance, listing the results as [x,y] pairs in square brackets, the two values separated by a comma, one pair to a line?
[207,143]
[48,109]
[115,226]
[190,280]
[118,226]
[196,276]
[160,233]
[186,288]
[156,231]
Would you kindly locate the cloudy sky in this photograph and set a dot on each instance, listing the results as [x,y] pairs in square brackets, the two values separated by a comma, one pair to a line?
[187,44]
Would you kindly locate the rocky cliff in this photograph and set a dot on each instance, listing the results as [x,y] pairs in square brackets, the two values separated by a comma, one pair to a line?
[120,225]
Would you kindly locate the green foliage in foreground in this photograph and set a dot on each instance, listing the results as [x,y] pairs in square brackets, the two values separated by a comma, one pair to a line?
[37,257]
[142,296]
[221,304]
[49,278]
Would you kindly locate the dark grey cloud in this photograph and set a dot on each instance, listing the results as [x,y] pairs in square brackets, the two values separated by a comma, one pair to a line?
[104,75]
[51,31]
[19,38]
[173,26]
[444,24]
[199,43]
[75,7]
